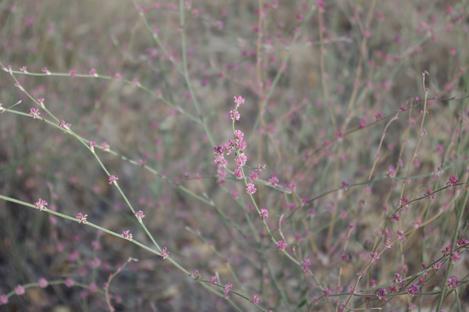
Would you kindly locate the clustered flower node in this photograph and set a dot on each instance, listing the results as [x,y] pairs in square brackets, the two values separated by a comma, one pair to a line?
[81,217]
[35,113]
[140,215]
[235,146]
[112,179]
[126,234]
[164,253]
[41,204]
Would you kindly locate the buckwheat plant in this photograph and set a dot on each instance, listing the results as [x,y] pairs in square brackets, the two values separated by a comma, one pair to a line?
[265,155]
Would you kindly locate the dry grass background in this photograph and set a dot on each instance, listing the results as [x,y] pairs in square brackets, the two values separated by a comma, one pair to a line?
[407,39]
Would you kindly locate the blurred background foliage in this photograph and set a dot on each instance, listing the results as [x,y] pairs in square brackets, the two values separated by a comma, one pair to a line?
[403,40]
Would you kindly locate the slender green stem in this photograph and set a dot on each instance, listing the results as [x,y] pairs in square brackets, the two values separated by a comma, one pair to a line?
[87,223]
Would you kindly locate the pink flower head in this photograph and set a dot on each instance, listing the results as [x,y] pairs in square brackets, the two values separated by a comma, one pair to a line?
[381,293]
[344,185]
[264,213]
[437,265]
[241,160]
[93,72]
[453,180]
[362,123]
[320,4]
[227,289]
[374,256]
[453,282]
[195,274]
[251,188]
[218,150]
[45,71]
[92,145]
[256,299]
[19,290]
[43,283]
[238,173]
[164,253]
[229,146]
[391,171]
[95,263]
[220,160]
[105,147]
[455,256]
[64,125]
[255,174]
[69,282]
[81,217]
[281,245]
[400,235]
[112,179]
[292,186]
[274,180]
[239,100]
[214,279]
[73,256]
[41,204]
[234,115]
[429,193]
[93,287]
[241,145]
[413,289]
[221,174]
[140,215]
[3,299]
[127,234]
[446,250]
[239,135]
[35,113]
[41,101]
[404,201]
[395,217]
[397,278]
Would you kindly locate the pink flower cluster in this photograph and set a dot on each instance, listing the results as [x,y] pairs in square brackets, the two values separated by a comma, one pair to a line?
[227,289]
[41,204]
[264,213]
[126,234]
[3,299]
[112,179]
[281,245]
[453,282]
[164,253]
[140,215]
[64,125]
[81,217]
[234,113]
[453,180]
[256,299]
[20,290]
[35,113]
[43,283]
[237,146]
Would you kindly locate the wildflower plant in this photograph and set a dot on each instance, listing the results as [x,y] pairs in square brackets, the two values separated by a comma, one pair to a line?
[336,179]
